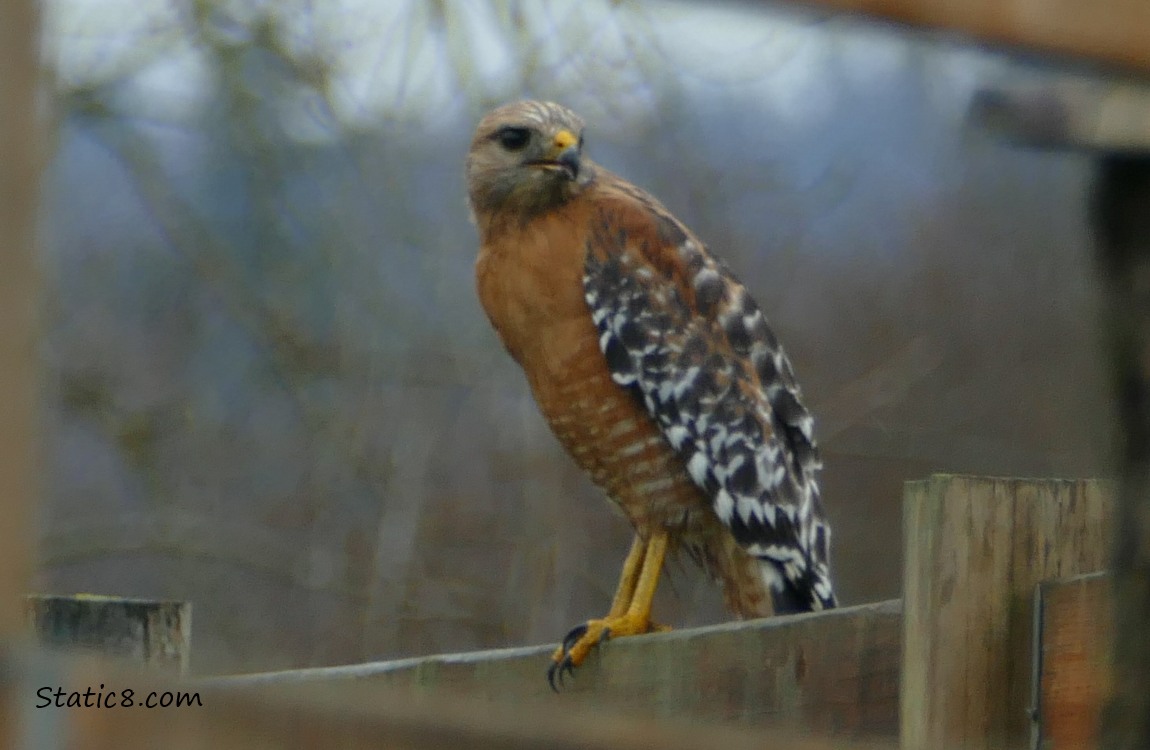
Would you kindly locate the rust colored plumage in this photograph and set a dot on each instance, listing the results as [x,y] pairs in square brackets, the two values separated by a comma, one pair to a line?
[654,368]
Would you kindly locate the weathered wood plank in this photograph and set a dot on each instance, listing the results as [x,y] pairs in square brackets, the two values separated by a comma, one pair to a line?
[1074,676]
[1104,31]
[351,715]
[147,631]
[1091,115]
[20,149]
[20,145]
[975,548]
[833,673]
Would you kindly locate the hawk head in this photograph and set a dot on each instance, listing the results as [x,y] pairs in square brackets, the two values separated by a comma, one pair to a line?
[525,158]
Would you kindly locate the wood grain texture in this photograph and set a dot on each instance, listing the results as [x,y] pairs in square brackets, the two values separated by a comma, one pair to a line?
[354,714]
[1074,677]
[157,633]
[832,674]
[975,548]
[1105,31]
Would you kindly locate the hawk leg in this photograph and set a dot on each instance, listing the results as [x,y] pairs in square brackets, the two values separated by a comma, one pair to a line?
[630,612]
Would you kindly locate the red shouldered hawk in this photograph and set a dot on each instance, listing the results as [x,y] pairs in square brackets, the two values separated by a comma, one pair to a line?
[655,369]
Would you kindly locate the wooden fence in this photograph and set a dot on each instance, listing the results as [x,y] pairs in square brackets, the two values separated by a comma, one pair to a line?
[838,672]
[999,642]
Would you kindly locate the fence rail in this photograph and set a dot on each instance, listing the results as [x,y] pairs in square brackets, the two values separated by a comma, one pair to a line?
[998,642]
[833,674]
[350,715]
[1073,675]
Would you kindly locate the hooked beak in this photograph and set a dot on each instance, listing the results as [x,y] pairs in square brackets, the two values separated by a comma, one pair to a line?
[569,160]
[564,156]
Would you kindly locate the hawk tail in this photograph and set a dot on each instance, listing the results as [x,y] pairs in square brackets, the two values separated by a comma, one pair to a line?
[796,590]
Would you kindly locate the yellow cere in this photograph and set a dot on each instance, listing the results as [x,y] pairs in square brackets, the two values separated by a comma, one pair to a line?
[563,139]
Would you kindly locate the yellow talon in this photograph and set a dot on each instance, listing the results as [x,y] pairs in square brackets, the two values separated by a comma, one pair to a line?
[630,611]
[595,632]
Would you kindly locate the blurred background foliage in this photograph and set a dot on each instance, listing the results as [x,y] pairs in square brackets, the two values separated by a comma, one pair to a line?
[271,391]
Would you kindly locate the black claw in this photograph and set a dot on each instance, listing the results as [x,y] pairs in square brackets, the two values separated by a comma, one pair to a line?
[557,669]
[555,675]
[604,636]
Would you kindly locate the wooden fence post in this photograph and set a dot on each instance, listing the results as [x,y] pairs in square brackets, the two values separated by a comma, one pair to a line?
[974,550]
[19,179]
[20,155]
[157,633]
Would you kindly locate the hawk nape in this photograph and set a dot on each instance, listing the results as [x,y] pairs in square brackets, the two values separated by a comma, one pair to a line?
[655,369]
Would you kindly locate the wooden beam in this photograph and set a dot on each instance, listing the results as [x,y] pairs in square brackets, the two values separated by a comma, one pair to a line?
[832,674]
[1094,116]
[20,146]
[1112,32]
[975,548]
[157,633]
[1073,676]
[347,714]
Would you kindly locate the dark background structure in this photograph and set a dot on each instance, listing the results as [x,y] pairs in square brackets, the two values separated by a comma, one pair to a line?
[271,392]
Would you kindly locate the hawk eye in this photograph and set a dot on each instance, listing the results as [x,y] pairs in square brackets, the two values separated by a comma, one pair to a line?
[512,138]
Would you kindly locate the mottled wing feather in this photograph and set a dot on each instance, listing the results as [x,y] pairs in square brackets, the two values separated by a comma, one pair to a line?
[679,329]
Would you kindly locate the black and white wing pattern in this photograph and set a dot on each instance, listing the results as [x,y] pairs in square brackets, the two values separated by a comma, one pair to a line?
[678,328]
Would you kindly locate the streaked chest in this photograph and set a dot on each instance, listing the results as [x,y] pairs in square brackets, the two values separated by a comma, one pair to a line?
[530,283]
